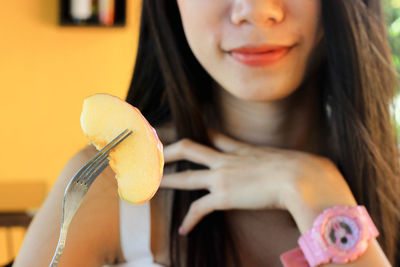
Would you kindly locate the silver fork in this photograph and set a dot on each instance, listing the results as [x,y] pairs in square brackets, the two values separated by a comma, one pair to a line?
[78,187]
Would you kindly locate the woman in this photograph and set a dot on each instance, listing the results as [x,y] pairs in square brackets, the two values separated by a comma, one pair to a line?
[271,140]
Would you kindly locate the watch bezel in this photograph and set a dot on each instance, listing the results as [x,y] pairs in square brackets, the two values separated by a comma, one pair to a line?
[338,255]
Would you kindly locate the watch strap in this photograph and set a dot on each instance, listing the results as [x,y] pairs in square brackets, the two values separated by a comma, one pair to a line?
[294,258]
[312,246]
[373,231]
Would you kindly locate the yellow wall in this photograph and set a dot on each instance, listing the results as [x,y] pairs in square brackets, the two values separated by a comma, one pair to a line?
[45,73]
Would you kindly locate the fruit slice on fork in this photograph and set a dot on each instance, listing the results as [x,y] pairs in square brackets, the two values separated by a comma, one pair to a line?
[138,161]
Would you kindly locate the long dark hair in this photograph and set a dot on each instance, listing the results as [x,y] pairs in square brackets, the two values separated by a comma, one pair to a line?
[358,84]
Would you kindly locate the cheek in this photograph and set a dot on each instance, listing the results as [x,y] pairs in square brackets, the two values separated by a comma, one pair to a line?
[197,14]
[307,14]
[202,26]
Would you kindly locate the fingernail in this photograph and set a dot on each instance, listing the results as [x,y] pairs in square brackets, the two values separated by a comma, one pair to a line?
[180,231]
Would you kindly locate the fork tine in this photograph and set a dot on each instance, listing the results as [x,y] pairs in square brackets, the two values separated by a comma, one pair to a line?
[95,172]
[115,141]
[87,173]
[83,169]
[104,152]
[100,168]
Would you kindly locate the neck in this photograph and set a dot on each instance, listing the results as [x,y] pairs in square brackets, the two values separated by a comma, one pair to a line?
[294,122]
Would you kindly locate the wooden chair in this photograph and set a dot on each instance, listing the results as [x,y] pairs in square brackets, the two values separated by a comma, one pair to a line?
[18,202]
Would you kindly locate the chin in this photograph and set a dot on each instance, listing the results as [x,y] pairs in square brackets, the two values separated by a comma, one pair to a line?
[261,94]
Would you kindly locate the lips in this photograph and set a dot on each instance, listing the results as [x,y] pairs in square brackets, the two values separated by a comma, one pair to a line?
[258,49]
[255,56]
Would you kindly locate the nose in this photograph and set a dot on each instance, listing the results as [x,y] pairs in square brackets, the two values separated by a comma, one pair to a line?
[257,12]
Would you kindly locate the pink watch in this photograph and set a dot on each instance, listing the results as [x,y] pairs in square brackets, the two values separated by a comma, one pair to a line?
[339,234]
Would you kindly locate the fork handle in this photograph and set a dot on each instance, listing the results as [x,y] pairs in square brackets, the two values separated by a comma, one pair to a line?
[70,206]
[60,248]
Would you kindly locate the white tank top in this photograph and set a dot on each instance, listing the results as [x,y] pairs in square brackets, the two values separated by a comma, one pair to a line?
[135,221]
[135,235]
[135,232]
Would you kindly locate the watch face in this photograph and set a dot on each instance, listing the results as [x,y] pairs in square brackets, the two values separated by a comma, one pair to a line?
[341,232]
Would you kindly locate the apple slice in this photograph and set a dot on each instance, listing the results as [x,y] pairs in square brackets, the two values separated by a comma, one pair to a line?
[138,160]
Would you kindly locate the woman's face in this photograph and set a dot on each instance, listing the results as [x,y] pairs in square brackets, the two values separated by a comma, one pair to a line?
[215,28]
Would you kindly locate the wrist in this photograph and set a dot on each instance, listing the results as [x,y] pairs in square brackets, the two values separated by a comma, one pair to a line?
[305,202]
[339,234]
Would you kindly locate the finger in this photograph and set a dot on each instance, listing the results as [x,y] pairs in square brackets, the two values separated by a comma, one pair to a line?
[195,152]
[198,209]
[227,144]
[189,180]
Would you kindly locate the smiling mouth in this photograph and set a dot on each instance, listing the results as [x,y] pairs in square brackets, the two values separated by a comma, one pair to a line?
[254,58]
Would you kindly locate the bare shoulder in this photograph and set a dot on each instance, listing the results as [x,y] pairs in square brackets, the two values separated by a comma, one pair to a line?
[93,236]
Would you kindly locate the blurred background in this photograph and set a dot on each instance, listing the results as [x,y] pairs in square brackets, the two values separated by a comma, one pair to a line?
[392,11]
[49,62]
[53,54]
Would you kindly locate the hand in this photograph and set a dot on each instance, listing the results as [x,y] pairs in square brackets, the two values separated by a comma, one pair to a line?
[245,176]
